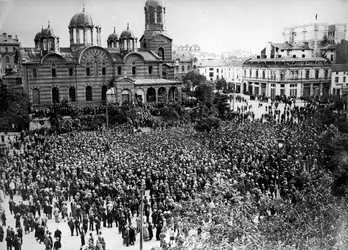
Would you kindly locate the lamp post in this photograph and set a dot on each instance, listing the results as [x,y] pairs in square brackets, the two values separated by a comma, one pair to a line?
[111,94]
[141,212]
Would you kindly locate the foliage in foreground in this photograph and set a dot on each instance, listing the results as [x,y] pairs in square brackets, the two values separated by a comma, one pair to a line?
[316,221]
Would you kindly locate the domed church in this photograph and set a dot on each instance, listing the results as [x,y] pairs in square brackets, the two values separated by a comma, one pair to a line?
[87,74]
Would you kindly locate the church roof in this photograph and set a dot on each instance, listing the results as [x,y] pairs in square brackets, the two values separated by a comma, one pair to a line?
[154,81]
[30,55]
[150,34]
[33,55]
[115,54]
[149,55]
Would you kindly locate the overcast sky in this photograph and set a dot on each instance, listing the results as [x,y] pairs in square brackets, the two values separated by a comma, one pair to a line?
[215,25]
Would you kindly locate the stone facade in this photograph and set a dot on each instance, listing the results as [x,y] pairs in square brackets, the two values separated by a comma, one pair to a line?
[86,73]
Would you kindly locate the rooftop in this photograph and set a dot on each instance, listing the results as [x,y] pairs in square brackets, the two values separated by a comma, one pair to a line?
[154,81]
[286,59]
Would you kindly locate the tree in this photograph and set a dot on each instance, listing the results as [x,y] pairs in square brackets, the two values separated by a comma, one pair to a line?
[206,124]
[221,104]
[195,77]
[14,108]
[339,104]
[221,84]
[204,94]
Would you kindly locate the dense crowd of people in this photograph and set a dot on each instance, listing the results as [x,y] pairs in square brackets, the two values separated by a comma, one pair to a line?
[92,179]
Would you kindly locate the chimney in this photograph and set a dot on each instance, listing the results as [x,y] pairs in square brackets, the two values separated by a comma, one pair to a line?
[10,36]
[4,34]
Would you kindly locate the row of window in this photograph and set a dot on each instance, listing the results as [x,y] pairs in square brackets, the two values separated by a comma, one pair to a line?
[294,74]
[337,79]
[7,49]
[72,95]
[183,68]
[88,71]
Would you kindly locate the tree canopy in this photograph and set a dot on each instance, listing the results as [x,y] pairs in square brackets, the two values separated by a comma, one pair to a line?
[195,77]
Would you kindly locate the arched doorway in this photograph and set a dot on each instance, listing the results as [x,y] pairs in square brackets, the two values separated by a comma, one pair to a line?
[162,95]
[126,95]
[151,95]
[173,94]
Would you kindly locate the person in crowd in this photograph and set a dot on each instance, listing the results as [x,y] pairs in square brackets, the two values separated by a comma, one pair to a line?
[58,234]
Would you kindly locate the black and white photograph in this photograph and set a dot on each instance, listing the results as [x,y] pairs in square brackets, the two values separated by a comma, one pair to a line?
[173,124]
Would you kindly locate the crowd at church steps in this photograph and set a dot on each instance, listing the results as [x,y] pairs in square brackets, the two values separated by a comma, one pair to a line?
[73,172]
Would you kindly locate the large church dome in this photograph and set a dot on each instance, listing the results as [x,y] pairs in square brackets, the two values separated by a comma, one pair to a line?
[127,33]
[48,32]
[153,3]
[113,36]
[82,19]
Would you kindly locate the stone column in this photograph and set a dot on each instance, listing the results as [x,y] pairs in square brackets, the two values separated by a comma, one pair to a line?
[71,36]
[92,36]
[77,36]
[84,36]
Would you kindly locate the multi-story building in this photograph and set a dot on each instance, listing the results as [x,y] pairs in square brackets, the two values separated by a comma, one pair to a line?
[218,69]
[8,52]
[310,33]
[339,79]
[311,40]
[212,70]
[83,72]
[294,77]
[233,73]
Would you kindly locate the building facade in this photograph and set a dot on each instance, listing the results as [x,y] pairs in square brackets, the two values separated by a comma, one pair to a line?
[85,73]
[291,77]
[9,46]
[339,79]
[328,33]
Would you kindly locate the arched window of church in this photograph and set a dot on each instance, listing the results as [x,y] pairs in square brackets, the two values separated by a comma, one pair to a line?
[146,16]
[161,53]
[36,96]
[150,70]
[103,71]
[119,70]
[34,73]
[183,68]
[151,15]
[72,94]
[7,59]
[88,93]
[159,14]
[104,89]
[188,68]
[134,70]
[55,95]
[6,50]
[45,44]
